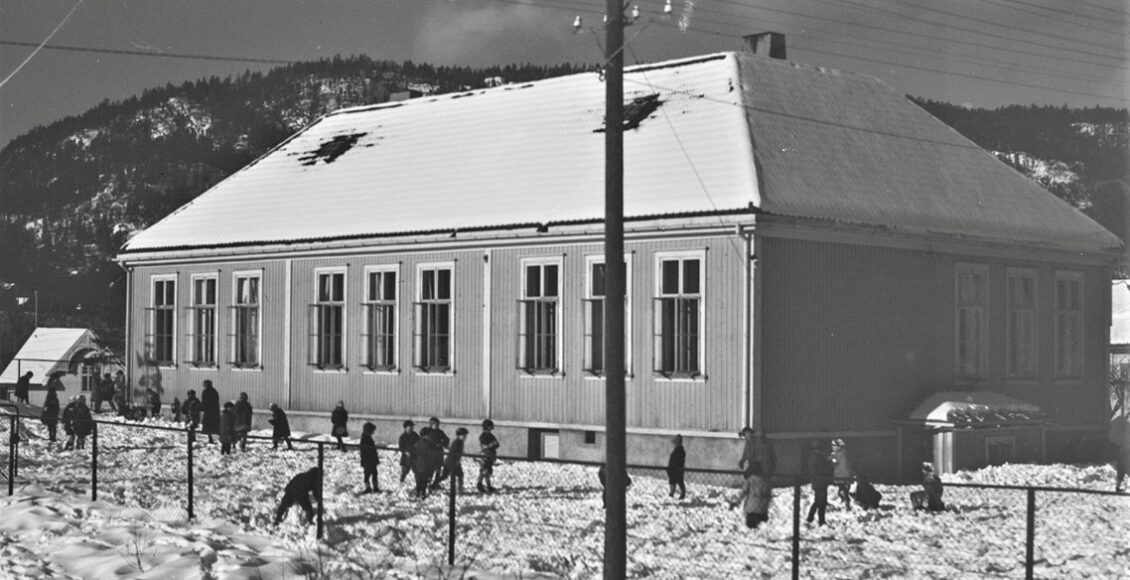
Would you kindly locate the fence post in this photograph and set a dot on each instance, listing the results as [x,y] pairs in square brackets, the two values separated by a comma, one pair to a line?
[93,461]
[191,438]
[1030,541]
[451,521]
[321,485]
[796,531]
[12,457]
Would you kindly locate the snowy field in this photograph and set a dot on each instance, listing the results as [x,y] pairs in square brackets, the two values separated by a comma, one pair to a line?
[546,522]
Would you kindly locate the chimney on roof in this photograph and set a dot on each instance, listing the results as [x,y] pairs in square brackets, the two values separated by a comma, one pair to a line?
[766,44]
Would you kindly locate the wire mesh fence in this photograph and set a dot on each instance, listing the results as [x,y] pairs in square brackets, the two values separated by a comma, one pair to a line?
[548,516]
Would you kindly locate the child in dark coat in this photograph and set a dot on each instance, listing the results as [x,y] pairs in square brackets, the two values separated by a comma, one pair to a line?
[298,491]
[427,458]
[820,470]
[407,444]
[676,465]
[453,466]
[281,427]
[930,498]
[68,423]
[340,418]
[370,459]
[227,428]
[441,438]
[191,410]
[176,410]
[865,494]
[50,414]
[489,445]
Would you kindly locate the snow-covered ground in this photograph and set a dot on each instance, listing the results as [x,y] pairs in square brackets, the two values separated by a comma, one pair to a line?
[547,522]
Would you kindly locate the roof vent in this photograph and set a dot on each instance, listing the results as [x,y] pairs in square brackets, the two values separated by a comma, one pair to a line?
[766,44]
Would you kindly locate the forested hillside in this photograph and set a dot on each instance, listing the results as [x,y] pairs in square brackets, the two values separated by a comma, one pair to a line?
[72,192]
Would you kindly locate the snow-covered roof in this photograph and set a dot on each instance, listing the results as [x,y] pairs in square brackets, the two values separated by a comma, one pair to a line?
[46,351]
[941,407]
[1120,313]
[720,133]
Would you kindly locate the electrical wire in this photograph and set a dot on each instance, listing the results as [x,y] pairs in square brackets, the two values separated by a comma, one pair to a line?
[41,45]
[153,54]
[1065,12]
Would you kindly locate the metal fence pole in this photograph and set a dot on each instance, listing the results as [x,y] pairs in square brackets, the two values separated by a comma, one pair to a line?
[796,531]
[321,485]
[1030,541]
[12,457]
[191,438]
[93,461]
[451,522]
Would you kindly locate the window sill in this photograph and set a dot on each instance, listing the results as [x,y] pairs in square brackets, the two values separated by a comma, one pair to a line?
[247,368]
[392,372]
[330,370]
[421,372]
[661,378]
[590,376]
[555,375]
[202,367]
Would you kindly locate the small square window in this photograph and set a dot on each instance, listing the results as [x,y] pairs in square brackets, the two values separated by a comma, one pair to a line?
[590,437]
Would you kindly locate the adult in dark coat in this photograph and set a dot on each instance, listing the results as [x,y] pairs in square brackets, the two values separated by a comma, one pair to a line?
[68,422]
[427,457]
[298,491]
[757,454]
[23,385]
[106,393]
[820,469]
[340,419]
[407,445]
[243,416]
[82,422]
[191,409]
[370,459]
[281,427]
[676,466]
[50,414]
[227,428]
[210,406]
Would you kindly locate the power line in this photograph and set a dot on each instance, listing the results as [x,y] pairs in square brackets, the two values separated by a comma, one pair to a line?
[1098,7]
[39,46]
[151,54]
[1067,13]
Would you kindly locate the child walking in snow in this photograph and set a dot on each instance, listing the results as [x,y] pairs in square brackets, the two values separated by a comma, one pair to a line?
[820,471]
[227,420]
[281,427]
[489,445]
[453,466]
[407,445]
[369,459]
[676,465]
[340,418]
[755,497]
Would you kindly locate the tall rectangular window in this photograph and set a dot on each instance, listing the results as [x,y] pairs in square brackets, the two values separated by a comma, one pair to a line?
[161,325]
[1021,330]
[678,316]
[971,299]
[594,345]
[327,322]
[245,321]
[203,321]
[380,319]
[433,319]
[1068,325]
[539,320]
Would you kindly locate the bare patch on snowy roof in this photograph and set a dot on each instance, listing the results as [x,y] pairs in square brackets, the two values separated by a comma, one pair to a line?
[636,110]
[328,151]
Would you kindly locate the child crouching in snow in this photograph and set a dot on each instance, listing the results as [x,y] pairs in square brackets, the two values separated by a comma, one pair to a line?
[369,459]
[755,496]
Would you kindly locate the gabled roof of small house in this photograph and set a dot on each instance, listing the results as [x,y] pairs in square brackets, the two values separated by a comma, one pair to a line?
[49,350]
[722,133]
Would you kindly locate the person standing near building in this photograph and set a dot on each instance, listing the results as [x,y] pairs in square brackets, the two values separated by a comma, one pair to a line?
[68,423]
[340,420]
[427,459]
[243,415]
[407,446]
[757,453]
[106,391]
[819,467]
[453,465]
[676,466]
[227,428]
[370,459]
[489,445]
[210,405]
[755,496]
[441,438]
[842,472]
[50,414]
[23,386]
[82,422]
[191,410]
[154,402]
[281,427]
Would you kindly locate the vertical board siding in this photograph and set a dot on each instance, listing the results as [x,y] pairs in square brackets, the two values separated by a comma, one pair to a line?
[652,402]
[263,385]
[405,391]
[856,336]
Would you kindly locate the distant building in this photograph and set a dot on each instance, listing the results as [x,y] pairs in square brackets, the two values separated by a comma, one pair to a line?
[808,252]
[72,352]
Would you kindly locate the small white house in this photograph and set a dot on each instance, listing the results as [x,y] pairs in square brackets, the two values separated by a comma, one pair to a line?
[73,351]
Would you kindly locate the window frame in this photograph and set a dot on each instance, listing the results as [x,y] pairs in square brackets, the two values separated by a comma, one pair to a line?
[681,256]
[234,308]
[1032,312]
[418,301]
[151,324]
[963,268]
[592,260]
[558,371]
[314,357]
[366,304]
[194,310]
[1080,354]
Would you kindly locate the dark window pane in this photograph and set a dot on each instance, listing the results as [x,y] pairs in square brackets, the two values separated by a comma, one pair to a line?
[443,292]
[389,286]
[597,280]
[690,276]
[533,281]
[428,285]
[550,280]
[669,281]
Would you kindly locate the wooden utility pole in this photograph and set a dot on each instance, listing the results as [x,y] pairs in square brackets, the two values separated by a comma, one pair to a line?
[615,527]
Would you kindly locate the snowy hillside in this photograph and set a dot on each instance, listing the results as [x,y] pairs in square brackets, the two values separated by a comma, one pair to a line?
[547,520]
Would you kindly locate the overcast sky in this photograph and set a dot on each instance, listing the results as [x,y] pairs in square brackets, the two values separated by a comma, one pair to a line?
[976,52]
